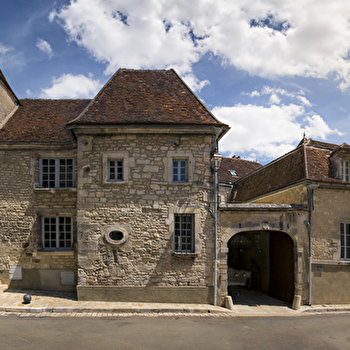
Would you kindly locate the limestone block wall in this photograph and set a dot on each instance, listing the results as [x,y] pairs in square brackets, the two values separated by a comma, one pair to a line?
[331,207]
[294,195]
[143,205]
[330,273]
[21,207]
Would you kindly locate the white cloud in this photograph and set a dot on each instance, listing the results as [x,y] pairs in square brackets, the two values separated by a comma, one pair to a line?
[44,46]
[267,132]
[267,38]
[194,83]
[318,127]
[3,50]
[10,57]
[71,86]
[277,93]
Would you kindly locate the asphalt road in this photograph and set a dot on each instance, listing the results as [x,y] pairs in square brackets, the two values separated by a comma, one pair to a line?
[137,332]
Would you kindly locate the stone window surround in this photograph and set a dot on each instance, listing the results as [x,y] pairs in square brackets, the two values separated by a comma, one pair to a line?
[106,230]
[106,156]
[179,155]
[197,229]
[36,168]
[39,229]
[57,216]
[57,172]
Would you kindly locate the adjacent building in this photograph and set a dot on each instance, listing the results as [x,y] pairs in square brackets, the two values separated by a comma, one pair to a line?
[287,223]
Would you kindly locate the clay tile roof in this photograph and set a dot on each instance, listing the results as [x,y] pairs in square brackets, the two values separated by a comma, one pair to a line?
[278,174]
[309,161]
[342,148]
[146,97]
[319,144]
[41,121]
[233,169]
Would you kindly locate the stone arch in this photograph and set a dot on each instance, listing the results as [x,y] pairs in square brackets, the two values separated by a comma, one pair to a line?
[261,259]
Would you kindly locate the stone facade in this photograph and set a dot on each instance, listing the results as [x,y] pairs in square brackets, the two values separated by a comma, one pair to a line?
[114,198]
[143,206]
[22,205]
[123,232]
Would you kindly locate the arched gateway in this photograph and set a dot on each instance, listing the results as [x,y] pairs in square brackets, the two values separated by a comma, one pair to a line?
[261,260]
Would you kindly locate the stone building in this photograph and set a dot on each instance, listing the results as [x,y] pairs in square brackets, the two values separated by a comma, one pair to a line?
[280,213]
[114,198]
[110,196]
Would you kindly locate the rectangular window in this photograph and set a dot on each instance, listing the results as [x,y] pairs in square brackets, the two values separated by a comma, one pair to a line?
[345,240]
[184,233]
[57,232]
[57,172]
[346,171]
[179,171]
[115,170]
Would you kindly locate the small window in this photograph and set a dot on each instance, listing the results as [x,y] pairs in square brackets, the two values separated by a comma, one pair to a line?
[346,171]
[345,240]
[184,233]
[179,170]
[115,170]
[57,232]
[57,173]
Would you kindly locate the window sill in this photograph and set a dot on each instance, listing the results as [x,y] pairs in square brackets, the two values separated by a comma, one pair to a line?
[185,255]
[331,262]
[70,189]
[113,183]
[56,252]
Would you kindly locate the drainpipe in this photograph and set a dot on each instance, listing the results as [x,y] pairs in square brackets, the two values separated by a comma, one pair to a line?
[310,190]
[216,162]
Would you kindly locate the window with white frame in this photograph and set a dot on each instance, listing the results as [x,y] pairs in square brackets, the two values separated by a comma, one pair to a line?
[346,170]
[57,172]
[179,170]
[344,240]
[115,170]
[184,233]
[57,232]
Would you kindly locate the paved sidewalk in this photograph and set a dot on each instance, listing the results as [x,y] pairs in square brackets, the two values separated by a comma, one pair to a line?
[50,304]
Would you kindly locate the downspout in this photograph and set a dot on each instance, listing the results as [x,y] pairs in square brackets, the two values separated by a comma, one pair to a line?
[310,190]
[215,235]
[215,163]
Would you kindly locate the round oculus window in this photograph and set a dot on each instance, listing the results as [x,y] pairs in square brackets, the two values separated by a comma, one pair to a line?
[116,235]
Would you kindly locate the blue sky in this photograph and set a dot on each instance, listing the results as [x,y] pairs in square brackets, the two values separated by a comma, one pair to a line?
[272,70]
